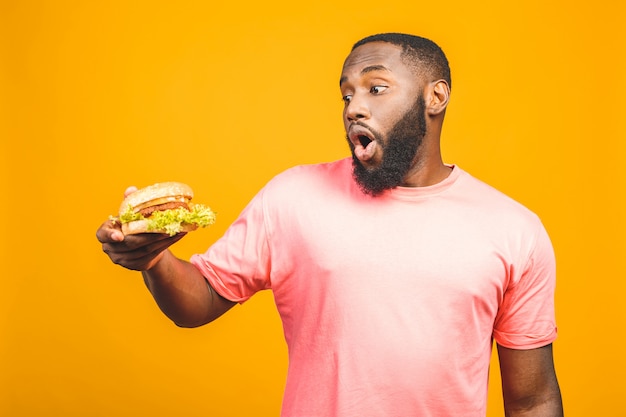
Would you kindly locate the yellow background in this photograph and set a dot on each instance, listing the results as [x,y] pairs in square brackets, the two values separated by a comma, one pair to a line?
[96,96]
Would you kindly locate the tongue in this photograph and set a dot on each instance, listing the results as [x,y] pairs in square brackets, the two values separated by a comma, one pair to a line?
[365,153]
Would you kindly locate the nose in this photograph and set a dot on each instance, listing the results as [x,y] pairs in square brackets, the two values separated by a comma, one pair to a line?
[356,109]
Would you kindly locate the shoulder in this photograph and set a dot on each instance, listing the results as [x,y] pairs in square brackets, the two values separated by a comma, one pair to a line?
[491,201]
[309,177]
[500,216]
[305,190]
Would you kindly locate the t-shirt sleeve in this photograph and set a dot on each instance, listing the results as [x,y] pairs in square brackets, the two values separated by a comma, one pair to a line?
[526,318]
[238,264]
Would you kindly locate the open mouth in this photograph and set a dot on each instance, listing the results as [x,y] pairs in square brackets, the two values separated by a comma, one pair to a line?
[364,140]
[360,136]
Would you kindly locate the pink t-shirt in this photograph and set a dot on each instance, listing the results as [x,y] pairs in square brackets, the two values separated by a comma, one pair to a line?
[389,304]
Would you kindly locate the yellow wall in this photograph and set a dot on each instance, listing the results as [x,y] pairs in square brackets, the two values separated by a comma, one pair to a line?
[95,96]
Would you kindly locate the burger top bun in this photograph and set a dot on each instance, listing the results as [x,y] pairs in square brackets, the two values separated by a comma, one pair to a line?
[160,193]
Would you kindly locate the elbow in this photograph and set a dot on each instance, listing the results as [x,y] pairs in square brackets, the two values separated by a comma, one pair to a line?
[549,405]
[190,322]
[201,315]
[187,325]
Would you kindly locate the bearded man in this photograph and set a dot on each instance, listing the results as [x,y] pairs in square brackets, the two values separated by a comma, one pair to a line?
[393,272]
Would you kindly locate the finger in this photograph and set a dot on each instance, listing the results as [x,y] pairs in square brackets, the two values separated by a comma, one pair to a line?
[117,236]
[135,247]
[145,242]
[109,231]
[135,253]
[157,246]
[145,261]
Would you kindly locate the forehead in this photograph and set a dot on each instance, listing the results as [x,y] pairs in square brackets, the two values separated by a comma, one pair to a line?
[382,56]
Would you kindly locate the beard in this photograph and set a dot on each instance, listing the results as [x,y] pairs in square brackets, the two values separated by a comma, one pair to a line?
[399,152]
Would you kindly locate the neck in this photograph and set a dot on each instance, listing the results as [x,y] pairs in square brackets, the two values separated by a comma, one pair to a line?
[428,168]
[427,174]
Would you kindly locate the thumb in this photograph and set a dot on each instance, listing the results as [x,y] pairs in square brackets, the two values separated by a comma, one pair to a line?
[130,190]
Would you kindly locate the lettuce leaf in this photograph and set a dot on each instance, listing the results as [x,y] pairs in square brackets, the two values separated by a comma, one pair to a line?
[172,221]
[129,216]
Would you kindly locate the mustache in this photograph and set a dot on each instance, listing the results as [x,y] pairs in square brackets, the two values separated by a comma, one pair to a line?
[374,135]
[361,124]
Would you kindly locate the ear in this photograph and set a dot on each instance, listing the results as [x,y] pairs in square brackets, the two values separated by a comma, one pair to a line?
[437,97]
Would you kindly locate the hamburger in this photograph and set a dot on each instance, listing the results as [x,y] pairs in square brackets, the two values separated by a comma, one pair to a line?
[163,208]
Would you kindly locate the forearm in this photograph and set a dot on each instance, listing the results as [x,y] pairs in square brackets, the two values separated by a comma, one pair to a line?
[529,384]
[182,293]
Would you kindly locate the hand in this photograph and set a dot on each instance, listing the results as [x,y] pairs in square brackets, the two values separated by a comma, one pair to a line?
[138,252]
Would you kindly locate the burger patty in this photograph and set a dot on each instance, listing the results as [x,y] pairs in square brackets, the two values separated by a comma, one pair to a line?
[162,207]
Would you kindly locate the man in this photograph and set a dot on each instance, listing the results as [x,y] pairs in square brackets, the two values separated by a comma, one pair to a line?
[392,272]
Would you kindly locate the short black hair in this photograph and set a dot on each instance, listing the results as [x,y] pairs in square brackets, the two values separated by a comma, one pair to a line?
[422,53]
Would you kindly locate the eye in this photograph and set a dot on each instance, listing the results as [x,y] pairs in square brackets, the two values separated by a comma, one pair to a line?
[346,99]
[377,89]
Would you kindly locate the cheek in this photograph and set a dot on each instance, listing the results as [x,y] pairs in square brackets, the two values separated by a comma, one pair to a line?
[393,112]
[386,123]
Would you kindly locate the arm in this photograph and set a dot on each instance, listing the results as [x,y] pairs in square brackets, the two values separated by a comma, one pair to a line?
[183,294]
[179,289]
[529,383]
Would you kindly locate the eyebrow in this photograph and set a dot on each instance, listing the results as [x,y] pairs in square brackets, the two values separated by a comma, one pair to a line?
[370,68]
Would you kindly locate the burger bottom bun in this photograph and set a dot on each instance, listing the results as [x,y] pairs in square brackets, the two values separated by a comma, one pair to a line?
[141,226]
